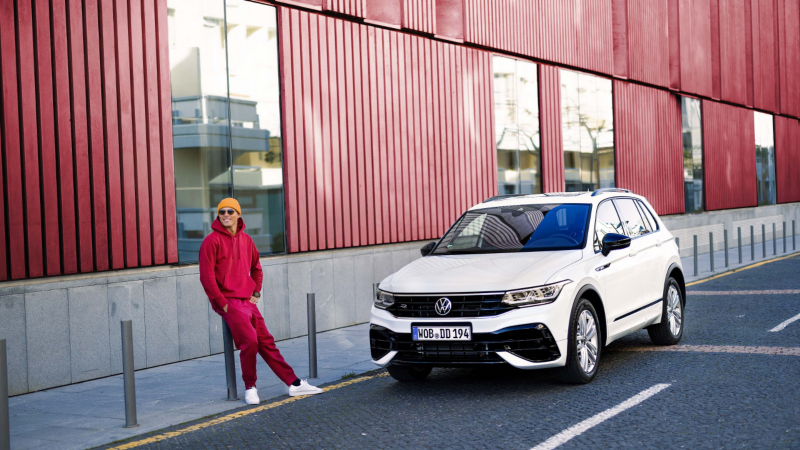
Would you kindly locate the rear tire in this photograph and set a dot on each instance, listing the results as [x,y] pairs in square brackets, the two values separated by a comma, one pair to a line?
[408,374]
[583,343]
[670,330]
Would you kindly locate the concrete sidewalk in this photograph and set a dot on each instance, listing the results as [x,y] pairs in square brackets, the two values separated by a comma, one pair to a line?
[89,414]
[704,259]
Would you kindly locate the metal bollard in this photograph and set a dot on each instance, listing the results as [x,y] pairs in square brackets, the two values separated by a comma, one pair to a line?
[230,365]
[774,240]
[312,337]
[739,240]
[678,243]
[711,249]
[794,243]
[784,236]
[763,240]
[5,428]
[752,244]
[695,255]
[129,381]
[725,239]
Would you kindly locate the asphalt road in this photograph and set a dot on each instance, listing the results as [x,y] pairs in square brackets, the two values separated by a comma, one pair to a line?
[721,390]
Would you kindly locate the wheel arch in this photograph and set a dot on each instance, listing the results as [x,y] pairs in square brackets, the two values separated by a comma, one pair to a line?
[675,271]
[589,292]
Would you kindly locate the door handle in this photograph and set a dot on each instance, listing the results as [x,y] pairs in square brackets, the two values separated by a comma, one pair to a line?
[633,253]
[659,242]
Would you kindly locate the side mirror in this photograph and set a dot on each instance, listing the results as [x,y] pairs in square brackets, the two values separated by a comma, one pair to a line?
[614,241]
[428,248]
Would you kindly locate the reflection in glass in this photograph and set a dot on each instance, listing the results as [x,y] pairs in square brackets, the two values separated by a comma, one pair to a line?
[587,121]
[692,132]
[207,139]
[516,126]
[765,158]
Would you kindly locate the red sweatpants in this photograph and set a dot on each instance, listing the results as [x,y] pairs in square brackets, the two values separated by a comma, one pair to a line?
[251,336]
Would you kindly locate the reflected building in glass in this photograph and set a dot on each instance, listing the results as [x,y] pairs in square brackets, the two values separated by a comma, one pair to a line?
[692,138]
[226,119]
[765,158]
[587,123]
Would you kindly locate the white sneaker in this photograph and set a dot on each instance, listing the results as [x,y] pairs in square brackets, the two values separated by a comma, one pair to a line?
[304,389]
[251,396]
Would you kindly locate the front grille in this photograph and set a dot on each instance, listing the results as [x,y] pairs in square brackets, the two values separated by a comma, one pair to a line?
[474,305]
[532,342]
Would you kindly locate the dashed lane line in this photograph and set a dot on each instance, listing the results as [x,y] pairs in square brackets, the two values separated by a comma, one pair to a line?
[753,350]
[764,292]
[751,266]
[784,323]
[581,427]
[236,415]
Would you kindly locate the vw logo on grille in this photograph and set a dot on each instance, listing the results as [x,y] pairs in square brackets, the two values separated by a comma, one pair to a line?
[443,306]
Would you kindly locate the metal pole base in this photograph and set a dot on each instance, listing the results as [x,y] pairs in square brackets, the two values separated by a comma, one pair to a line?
[131,426]
[230,365]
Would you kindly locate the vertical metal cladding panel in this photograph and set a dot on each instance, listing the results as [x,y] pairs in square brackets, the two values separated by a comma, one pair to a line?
[715,50]
[420,15]
[648,152]
[68,136]
[407,154]
[448,19]
[648,41]
[765,55]
[733,51]
[674,34]
[729,162]
[787,158]
[310,4]
[596,36]
[552,153]
[355,8]
[387,13]
[619,14]
[789,56]
[695,46]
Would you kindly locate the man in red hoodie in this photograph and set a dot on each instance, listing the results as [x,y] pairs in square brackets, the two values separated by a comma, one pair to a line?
[230,271]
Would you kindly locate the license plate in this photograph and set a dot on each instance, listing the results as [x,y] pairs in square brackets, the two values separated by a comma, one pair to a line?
[441,333]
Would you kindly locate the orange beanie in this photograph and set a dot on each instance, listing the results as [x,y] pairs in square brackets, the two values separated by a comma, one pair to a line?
[230,203]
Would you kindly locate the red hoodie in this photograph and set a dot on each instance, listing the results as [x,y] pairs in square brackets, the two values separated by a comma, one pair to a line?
[229,265]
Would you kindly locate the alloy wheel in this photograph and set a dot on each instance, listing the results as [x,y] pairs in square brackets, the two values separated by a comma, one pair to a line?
[586,341]
[674,312]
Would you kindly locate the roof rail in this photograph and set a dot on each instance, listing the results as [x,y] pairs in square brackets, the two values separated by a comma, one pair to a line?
[502,197]
[605,190]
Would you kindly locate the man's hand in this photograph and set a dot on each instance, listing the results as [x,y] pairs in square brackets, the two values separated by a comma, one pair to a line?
[253,299]
[225,308]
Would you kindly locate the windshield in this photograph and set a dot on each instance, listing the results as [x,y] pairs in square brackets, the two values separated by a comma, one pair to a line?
[520,228]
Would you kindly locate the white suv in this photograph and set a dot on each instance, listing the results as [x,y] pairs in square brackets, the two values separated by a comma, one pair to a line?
[535,281]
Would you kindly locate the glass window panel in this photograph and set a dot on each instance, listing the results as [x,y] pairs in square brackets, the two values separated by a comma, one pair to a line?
[650,221]
[765,158]
[587,120]
[607,221]
[631,217]
[692,133]
[256,121]
[199,118]
[516,126]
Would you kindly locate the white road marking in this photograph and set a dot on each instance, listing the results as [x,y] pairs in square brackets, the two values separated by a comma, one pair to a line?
[766,292]
[784,323]
[578,429]
[752,350]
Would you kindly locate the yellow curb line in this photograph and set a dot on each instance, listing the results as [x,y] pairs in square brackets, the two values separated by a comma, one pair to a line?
[741,269]
[236,415]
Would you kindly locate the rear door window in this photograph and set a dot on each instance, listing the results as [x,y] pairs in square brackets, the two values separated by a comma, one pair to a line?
[607,221]
[648,215]
[631,217]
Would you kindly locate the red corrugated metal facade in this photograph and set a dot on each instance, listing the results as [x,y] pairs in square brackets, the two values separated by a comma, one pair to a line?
[387,113]
[787,159]
[388,136]
[649,157]
[728,156]
[87,137]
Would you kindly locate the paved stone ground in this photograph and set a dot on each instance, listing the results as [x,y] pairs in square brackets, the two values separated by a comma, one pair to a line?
[727,399]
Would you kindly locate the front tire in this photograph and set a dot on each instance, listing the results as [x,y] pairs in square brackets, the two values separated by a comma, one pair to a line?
[670,330]
[408,374]
[583,345]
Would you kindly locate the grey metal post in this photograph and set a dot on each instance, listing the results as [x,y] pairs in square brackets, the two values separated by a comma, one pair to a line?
[739,239]
[784,236]
[752,244]
[774,240]
[129,381]
[230,365]
[725,238]
[794,243]
[375,290]
[763,240]
[678,243]
[312,337]
[711,249]
[5,428]
[695,255]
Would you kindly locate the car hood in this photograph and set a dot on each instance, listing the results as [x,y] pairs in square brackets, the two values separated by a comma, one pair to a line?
[489,272]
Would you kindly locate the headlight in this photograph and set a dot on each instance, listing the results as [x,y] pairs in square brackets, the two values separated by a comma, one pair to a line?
[539,295]
[384,299]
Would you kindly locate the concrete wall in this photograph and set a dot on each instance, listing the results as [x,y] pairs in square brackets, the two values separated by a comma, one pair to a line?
[66,329]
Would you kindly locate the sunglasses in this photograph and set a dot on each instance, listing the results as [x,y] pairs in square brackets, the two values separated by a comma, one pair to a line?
[229,212]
